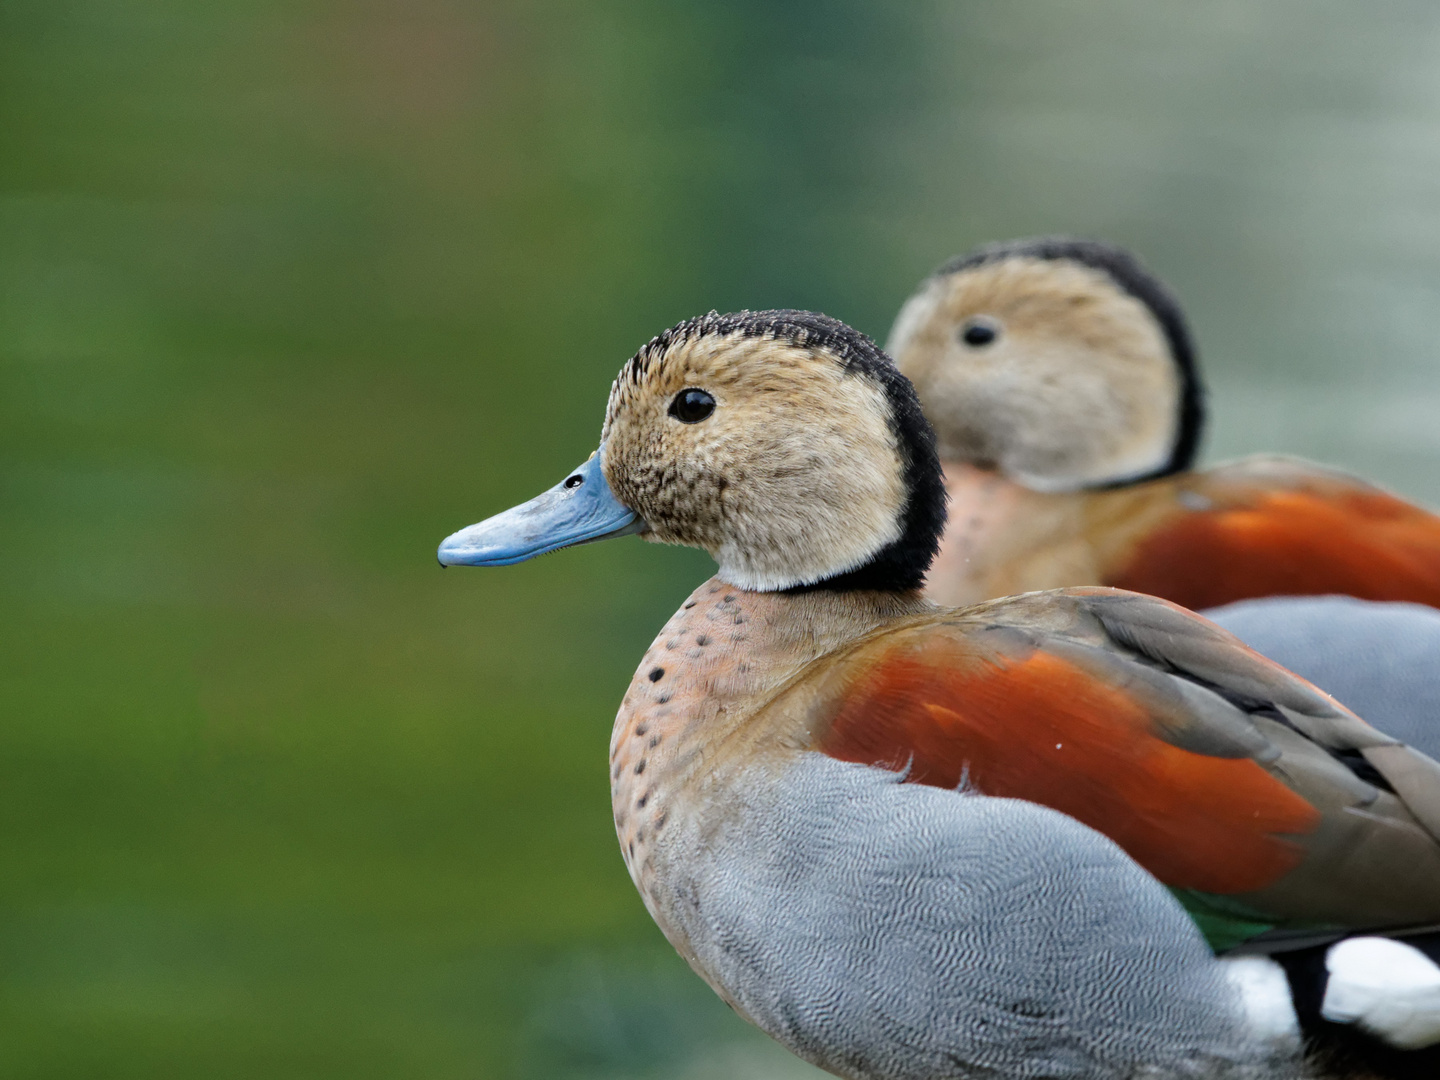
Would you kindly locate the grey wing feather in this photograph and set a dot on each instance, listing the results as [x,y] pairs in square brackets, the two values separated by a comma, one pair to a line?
[1173,636]
[1320,743]
[1186,714]
[1380,659]
[1198,651]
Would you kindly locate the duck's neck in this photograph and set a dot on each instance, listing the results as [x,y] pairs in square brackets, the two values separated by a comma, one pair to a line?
[690,717]
[985,509]
[1003,538]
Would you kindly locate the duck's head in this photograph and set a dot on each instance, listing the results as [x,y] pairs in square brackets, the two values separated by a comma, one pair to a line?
[784,443]
[1062,364]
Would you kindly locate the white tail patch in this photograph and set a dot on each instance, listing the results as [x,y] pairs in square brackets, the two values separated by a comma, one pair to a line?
[1265,993]
[1386,987]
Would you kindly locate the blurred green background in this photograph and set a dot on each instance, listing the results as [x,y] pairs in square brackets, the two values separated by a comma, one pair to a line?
[290,290]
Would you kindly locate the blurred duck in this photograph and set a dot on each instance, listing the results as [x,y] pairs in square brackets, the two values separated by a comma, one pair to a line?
[1062,384]
[918,842]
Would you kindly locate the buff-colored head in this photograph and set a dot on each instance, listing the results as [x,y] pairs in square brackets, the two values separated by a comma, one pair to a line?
[783,443]
[1060,363]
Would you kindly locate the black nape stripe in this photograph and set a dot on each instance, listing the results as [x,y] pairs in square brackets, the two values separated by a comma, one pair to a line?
[902,564]
[1126,271]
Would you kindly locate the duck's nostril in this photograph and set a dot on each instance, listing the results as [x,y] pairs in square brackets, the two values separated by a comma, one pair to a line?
[574,481]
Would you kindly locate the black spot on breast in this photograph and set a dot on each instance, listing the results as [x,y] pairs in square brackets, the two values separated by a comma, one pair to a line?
[640,802]
[656,674]
[654,741]
[640,766]
[663,699]
[729,598]
[640,730]
[616,774]
[688,604]
[702,640]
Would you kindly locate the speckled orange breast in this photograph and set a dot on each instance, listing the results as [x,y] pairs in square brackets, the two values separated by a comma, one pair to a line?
[683,681]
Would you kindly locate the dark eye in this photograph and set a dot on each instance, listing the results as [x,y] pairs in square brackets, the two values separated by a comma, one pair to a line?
[980,331]
[691,406]
[572,482]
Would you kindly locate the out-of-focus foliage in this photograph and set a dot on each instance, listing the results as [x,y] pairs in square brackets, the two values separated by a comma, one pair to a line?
[288,291]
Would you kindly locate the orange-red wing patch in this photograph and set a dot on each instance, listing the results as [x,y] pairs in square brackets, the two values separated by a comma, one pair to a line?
[1043,729]
[1359,542]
